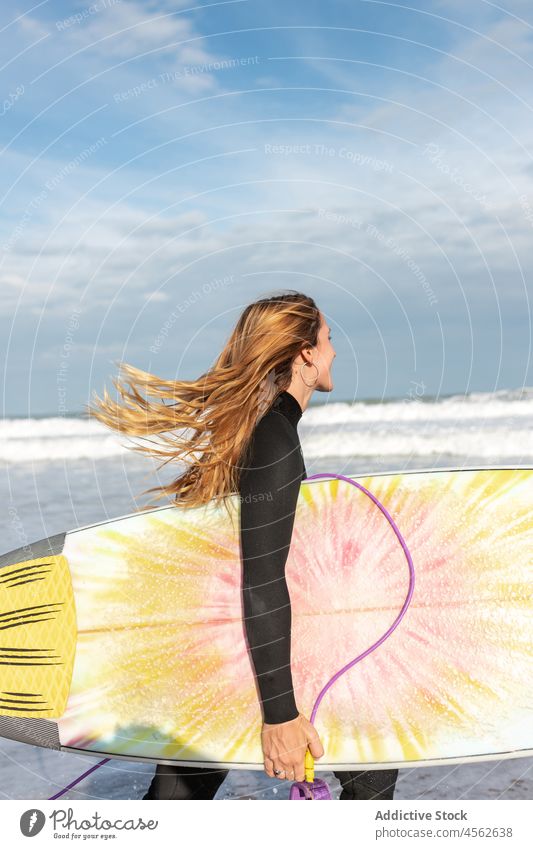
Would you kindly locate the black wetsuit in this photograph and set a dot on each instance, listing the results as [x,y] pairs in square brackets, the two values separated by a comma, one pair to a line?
[268,487]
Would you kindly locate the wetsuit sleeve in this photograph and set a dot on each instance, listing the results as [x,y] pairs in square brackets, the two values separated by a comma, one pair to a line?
[269,487]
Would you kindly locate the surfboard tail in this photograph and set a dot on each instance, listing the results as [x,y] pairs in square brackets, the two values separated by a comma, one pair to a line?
[37,637]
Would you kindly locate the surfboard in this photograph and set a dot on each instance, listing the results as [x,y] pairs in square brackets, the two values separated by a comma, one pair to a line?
[126,638]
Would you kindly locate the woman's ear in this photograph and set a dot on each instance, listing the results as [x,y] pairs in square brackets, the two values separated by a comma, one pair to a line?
[306,353]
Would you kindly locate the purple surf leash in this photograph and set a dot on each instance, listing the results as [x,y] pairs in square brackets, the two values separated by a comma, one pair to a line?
[317,788]
[79,778]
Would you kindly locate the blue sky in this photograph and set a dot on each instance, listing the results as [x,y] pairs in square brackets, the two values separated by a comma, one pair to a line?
[164,163]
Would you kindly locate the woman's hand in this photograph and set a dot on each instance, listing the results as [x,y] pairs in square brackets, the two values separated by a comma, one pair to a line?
[284,747]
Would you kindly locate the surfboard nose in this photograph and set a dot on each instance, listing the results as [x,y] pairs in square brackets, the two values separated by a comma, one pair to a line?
[37,631]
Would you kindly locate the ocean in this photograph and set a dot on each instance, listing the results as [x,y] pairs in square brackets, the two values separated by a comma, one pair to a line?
[63,472]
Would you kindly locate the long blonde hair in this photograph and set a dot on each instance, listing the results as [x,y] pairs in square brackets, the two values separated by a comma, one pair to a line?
[222,406]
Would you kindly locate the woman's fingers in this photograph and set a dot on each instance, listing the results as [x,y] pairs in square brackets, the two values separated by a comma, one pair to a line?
[284,746]
[299,771]
[286,772]
[269,767]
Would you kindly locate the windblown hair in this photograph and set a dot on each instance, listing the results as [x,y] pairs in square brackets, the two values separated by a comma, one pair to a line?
[221,407]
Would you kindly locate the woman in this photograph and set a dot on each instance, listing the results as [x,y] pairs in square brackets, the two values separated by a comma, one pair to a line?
[249,405]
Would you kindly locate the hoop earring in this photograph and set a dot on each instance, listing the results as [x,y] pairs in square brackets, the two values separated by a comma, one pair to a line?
[301,375]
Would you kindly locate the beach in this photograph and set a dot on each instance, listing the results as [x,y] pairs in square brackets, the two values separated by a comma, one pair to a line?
[61,473]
